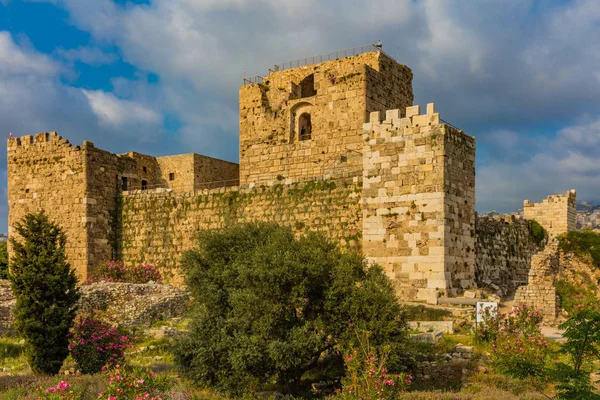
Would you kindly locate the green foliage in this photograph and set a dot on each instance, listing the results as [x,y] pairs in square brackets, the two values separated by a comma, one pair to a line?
[3,261]
[584,244]
[135,383]
[269,306]
[537,232]
[571,296]
[582,331]
[44,285]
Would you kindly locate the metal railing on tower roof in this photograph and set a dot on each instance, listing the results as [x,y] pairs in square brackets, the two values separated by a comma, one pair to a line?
[302,62]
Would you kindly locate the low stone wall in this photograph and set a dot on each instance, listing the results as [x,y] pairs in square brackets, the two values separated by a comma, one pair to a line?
[128,304]
[543,298]
[449,370]
[7,303]
[503,248]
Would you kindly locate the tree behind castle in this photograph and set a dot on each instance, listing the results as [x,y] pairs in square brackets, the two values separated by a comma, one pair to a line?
[45,287]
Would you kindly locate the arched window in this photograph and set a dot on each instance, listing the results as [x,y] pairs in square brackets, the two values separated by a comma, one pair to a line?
[304,127]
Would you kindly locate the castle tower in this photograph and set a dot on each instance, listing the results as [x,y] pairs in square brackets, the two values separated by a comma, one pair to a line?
[306,122]
[557,213]
[419,202]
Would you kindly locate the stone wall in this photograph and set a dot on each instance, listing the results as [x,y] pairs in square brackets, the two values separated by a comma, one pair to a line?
[503,247]
[418,210]
[158,225]
[540,293]
[557,213]
[337,96]
[127,304]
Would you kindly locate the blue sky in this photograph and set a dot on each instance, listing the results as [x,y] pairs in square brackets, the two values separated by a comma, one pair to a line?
[162,76]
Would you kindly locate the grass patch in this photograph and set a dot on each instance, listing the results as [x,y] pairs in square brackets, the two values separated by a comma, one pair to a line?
[572,295]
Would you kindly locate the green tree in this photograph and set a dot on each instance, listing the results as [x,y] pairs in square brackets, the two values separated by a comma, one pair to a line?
[45,288]
[3,261]
[269,307]
[582,331]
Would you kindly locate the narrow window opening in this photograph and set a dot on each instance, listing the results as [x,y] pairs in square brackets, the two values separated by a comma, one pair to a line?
[124,183]
[307,86]
[144,184]
[172,176]
[304,127]
[145,169]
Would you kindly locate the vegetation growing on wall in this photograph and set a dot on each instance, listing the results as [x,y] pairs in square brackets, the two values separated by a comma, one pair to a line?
[537,232]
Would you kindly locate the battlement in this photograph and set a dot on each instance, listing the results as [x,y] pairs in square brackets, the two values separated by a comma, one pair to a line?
[556,213]
[43,138]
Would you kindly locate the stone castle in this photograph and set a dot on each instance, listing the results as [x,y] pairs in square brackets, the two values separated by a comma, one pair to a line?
[334,146]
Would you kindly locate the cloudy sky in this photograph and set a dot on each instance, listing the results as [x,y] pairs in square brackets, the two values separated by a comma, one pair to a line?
[162,76]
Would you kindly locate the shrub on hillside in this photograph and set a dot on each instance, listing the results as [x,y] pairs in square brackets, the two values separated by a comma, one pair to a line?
[45,287]
[269,307]
[3,261]
[94,343]
[117,271]
[584,243]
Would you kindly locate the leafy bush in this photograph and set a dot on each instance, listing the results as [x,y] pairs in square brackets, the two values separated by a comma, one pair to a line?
[518,347]
[367,376]
[3,261]
[269,306]
[44,285]
[584,243]
[537,232]
[127,383]
[582,331]
[117,271]
[94,343]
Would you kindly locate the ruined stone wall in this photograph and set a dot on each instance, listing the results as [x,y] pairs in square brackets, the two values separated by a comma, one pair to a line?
[345,91]
[557,213]
[158,225]
[412,209]
[504,246]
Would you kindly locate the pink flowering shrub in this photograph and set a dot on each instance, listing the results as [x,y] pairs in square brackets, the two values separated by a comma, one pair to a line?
[133,384]
[520,318]
[367,378]
[117,271]
[59,392]
[518,347]
[94,343]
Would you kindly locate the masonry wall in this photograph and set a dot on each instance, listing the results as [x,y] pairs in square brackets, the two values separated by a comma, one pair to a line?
[557,213]
[504,247]
[345,92]
[158,225]
[37,168]
[412,209]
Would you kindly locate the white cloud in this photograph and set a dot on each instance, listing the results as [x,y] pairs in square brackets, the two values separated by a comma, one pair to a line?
[88,55]
[113,111]
[15,60]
